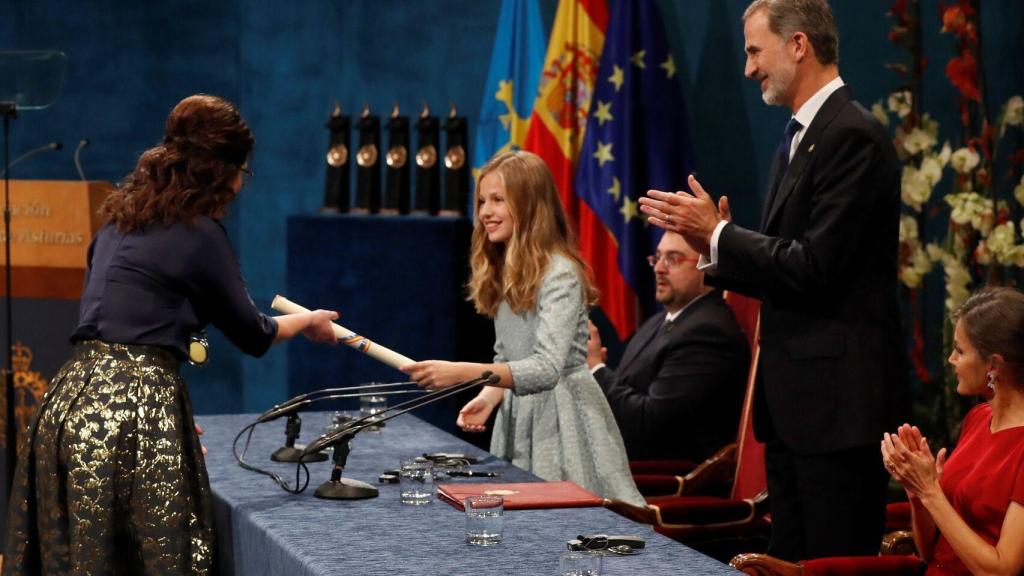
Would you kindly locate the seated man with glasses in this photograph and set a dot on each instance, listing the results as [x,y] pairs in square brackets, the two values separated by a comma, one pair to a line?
[678,390]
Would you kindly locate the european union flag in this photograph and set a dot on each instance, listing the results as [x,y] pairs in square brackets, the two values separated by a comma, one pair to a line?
[637,138]
[516,63]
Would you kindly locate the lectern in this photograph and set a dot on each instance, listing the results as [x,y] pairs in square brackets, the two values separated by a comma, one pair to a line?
[52,223]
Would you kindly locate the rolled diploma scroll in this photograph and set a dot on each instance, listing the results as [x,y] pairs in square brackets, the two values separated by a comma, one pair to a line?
[346,336]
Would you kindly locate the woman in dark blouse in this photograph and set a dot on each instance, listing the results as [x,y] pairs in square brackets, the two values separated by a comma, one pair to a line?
[111,478]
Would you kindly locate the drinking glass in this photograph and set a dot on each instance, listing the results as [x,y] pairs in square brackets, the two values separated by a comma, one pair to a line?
[580,564]
[483,519]
[416,482]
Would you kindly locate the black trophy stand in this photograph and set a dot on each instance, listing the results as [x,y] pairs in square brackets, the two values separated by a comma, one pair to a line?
[428,173]
[30,80]
[456,167]
[368,163]
[336,186]
[396,182]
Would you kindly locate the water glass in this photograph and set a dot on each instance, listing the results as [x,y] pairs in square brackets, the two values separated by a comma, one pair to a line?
[483,519]
[416,482]
[341,419]
[580,564]
[370,406]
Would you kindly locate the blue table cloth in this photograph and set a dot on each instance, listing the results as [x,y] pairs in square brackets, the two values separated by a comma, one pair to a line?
[265,530]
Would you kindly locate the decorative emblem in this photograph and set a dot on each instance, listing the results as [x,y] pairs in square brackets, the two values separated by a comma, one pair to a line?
[198,349]
[367,156]
[396,157]
[455,159]
[427,156]
[337,156]
[29,388]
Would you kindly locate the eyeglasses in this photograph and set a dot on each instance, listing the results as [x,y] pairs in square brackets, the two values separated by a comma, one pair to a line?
[672,259]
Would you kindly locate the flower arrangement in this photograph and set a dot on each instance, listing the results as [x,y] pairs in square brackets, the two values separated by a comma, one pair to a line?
[978,208]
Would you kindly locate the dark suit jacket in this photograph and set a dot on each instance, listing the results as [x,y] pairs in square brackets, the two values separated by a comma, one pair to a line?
[678,390]
[824,265]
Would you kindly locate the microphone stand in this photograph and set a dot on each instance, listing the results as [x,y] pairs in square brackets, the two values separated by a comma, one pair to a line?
[9,110]
[339,488]
[288,452]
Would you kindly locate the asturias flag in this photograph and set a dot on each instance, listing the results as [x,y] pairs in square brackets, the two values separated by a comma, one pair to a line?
[637,138]
[566,87]
[516,62]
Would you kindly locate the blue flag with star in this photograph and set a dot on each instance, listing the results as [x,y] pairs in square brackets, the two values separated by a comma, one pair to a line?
[637,138]
[516,62]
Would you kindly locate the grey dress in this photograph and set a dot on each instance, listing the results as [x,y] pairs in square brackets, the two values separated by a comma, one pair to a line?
[556,422]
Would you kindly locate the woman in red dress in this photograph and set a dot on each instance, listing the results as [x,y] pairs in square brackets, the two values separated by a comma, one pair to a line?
[968,511]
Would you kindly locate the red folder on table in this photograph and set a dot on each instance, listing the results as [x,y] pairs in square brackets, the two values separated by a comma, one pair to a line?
[523,495]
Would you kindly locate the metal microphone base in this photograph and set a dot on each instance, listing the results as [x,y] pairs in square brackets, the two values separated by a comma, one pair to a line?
[346,489]
[292,454]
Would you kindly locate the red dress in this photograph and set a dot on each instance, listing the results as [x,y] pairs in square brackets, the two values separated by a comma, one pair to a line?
[980,479]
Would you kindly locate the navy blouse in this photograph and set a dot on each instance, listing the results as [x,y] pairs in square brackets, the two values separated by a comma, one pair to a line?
[159,286]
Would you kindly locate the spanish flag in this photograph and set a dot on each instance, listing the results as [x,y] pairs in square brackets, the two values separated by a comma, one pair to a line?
[560,111]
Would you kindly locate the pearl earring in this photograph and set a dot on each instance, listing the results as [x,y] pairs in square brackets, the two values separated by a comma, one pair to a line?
[991,379]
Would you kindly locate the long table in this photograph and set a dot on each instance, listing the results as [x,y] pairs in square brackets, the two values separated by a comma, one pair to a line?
[265,530]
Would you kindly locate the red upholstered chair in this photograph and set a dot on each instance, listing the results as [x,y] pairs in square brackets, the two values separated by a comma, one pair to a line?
[897,557]
[897,516]
[689,517]
[764,565]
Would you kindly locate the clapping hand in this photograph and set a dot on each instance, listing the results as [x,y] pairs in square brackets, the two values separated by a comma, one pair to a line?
[908,458]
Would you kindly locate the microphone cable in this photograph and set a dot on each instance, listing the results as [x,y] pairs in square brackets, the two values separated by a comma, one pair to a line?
[240,458]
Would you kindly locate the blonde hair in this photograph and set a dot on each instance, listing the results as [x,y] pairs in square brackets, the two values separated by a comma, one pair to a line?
[513,271]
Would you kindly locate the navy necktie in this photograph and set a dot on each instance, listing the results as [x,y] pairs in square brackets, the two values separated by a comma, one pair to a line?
[782,160]
[792,127]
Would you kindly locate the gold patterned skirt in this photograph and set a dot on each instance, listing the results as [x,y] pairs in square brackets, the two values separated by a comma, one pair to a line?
[110,477]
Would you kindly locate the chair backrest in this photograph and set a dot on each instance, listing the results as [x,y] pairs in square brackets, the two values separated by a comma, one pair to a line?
[750,475]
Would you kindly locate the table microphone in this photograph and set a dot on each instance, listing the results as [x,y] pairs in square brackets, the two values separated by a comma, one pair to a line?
[486,379]
[339,488]
[83,143]
[48,147]
[283,408]
[288,452]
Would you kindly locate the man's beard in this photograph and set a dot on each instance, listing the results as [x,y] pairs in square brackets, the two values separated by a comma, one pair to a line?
[778,84]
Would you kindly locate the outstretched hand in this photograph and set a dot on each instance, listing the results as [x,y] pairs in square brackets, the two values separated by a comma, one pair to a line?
[473,416]
[319,328]
[437,374]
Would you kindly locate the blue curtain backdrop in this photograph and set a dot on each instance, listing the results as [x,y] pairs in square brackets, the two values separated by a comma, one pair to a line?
[285,65]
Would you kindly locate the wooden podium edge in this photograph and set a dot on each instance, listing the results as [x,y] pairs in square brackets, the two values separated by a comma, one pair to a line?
[43,283]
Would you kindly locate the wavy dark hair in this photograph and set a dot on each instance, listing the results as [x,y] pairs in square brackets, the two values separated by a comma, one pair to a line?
[190,174]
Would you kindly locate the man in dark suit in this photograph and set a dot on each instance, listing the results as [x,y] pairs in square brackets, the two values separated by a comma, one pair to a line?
[824,262]
[678,390]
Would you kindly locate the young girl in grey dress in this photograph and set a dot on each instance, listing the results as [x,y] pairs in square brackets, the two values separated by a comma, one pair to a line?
[553,419]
